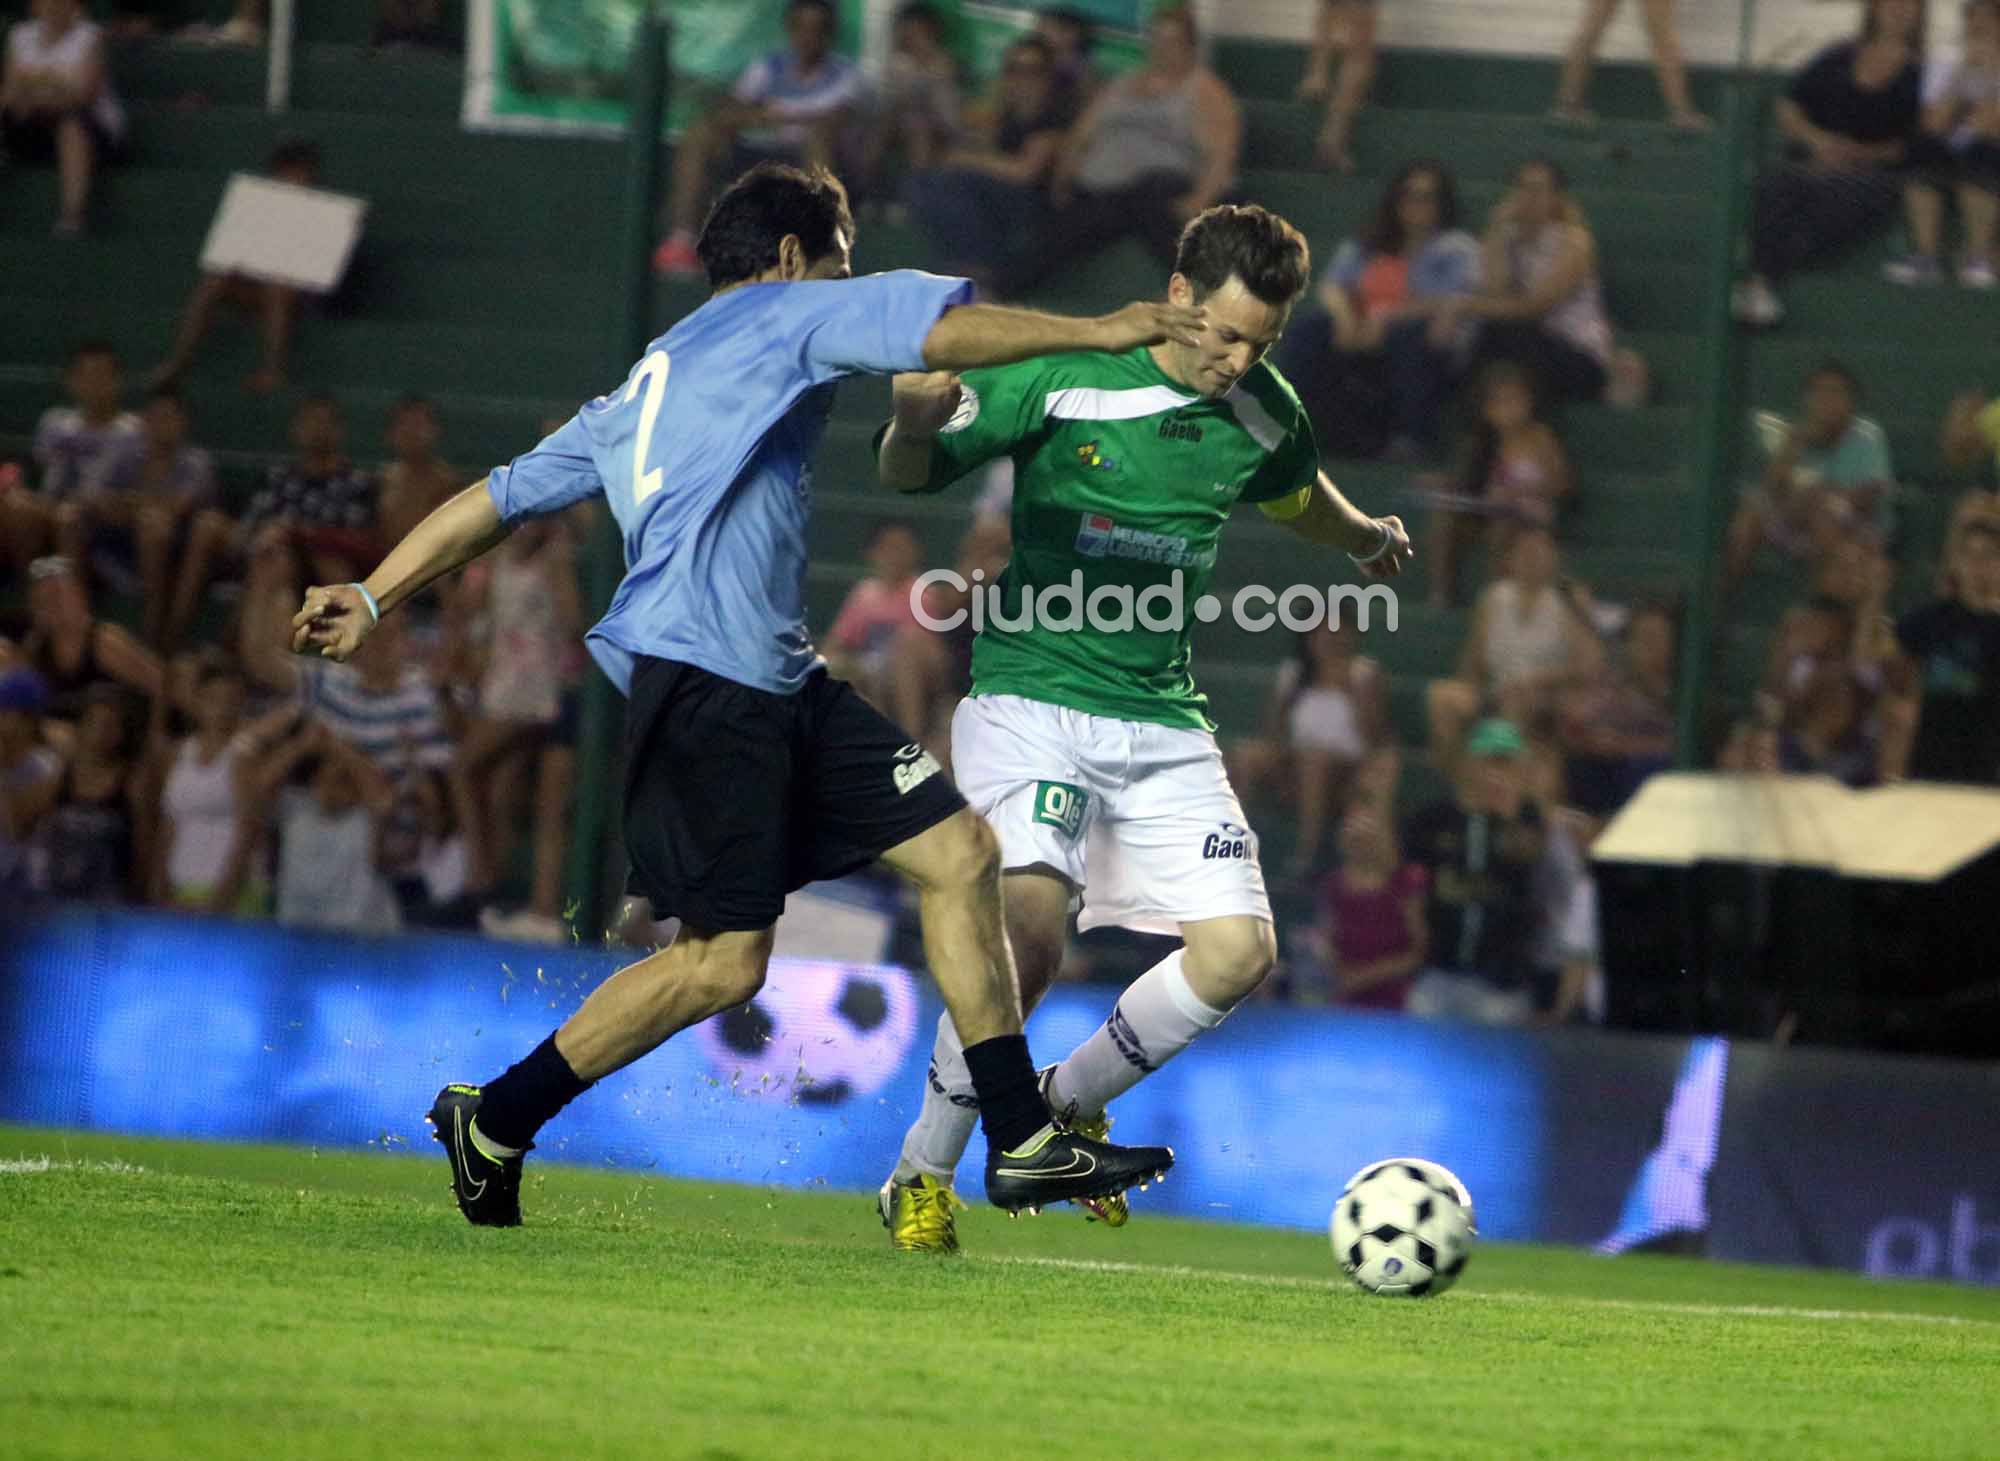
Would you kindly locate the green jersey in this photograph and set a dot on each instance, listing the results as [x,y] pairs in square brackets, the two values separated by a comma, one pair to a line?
[1122,480]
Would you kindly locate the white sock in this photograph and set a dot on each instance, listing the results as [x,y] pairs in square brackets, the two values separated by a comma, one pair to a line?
[1155,1019]
[950,1111]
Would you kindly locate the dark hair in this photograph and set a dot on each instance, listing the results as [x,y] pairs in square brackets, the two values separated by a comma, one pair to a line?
[1839,370]
[1549,165]
[87,349]
[1076,20]
[825,7]
[756,212]
[1482,443]
[293,152]
[1383,233]
[413,401]
[1252,244]
[921,10]
[166,391]
[1027,40]
[1182,13]
[1871,11]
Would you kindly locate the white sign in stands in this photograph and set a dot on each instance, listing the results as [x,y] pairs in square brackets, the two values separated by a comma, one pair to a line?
[283,233]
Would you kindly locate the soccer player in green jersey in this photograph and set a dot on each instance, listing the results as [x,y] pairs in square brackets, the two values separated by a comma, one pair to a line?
[1090,750]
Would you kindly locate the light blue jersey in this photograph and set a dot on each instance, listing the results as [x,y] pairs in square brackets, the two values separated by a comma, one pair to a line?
[705,455]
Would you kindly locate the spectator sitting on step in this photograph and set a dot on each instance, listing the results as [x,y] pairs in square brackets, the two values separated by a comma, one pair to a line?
[206,829]
[1070,36]
[993,185]
[791,106]
[30,775]
[1515,472]
[417,480]
[56,99]
[877,610]
[1347,27]
[276,306]
[1369,358]
[1374,916]
[1527,644]
[1944,673]
[319,503]
[88,842]
[1541,299]
[1819,693]
[71,648]
[1326,719]
[410,23]
[1847,120]
[1153,149]
[1572,94]
[1482,852]
[1958,150]
[1616,729]
[1827,476]
[173,482]
[1971,433]
[87,452]
[328,802]
[914,118]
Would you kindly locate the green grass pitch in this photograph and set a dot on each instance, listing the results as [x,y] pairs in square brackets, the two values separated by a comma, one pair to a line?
[173,1299]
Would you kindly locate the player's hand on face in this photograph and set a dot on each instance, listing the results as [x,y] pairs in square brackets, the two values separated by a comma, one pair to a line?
[1152,322]
[333,623]
[1400,552]
[925,401]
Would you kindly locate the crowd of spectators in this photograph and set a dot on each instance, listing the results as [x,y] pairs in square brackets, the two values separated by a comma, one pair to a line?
[191,762]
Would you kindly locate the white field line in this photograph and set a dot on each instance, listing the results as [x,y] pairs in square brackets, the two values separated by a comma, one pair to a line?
[28,1166]
[1656,1306]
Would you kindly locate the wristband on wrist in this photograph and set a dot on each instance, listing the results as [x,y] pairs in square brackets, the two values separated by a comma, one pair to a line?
[1381,549]
[374,609]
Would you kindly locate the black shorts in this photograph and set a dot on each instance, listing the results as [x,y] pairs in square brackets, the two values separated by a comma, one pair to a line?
[735,797]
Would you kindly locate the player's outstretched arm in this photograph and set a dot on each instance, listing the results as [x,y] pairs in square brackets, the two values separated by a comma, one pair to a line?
[996,334]
[337,618]
[1322,514]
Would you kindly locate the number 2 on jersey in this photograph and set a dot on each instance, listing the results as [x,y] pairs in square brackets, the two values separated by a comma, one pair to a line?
[652,374]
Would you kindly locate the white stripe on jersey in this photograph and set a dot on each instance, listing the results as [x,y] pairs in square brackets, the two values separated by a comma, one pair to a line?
[1251,415]
[1087,403]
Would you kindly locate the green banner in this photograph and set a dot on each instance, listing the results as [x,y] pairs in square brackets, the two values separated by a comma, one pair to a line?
[564,65]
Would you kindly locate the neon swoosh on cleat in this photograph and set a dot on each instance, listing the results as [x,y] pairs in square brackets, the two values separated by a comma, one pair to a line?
[1081,1164]
[464,1167]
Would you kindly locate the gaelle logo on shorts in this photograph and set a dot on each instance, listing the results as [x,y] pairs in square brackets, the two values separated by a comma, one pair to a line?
[914,766]
[1232,842]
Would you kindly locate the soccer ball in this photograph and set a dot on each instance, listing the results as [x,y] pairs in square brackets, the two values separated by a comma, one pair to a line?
[816,1033]
[1403,1228]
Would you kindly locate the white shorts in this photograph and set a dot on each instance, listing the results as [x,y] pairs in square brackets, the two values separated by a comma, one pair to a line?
[1140,818]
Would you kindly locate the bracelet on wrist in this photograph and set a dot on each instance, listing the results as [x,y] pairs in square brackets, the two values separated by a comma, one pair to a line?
[1380,550]
[374,609]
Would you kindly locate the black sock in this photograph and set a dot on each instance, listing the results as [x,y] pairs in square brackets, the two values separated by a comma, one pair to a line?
[517,1105]
[1011,1108]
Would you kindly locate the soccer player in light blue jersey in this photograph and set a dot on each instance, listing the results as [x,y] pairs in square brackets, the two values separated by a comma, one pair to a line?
[751,771]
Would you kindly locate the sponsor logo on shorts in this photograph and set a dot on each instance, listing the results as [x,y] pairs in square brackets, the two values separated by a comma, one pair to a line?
[1060,805]
[1232,844]
[909,774]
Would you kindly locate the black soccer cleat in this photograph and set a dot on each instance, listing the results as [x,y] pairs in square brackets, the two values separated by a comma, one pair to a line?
[488,1189]
[1055,1165]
